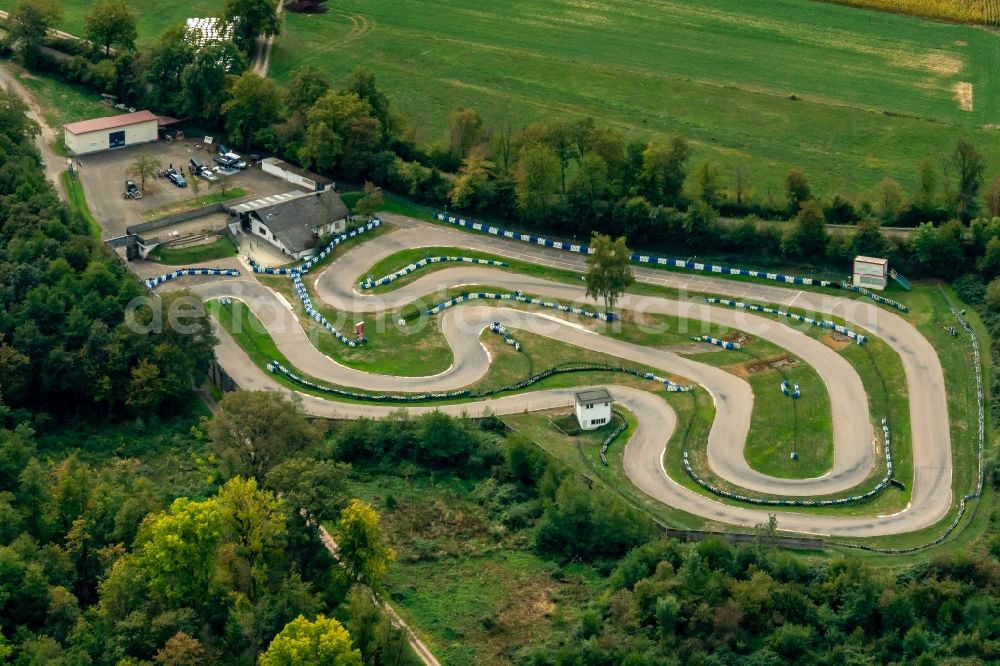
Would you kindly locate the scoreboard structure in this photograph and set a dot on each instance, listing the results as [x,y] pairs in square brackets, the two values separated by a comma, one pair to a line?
[871,273]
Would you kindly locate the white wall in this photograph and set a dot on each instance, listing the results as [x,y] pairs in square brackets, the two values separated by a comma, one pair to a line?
[591,417]
[92,142]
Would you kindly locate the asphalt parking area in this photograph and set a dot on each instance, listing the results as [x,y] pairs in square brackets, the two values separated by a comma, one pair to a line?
[103,176]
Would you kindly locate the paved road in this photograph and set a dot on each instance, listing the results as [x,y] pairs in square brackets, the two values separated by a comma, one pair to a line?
[931,496]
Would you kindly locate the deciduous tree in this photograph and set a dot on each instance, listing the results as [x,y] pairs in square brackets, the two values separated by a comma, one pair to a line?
[664,170]
[256,430]
[111,23]
[340,133]
[252,18]
[29,22]
[797,190]
[608,271]
[967,165]
[319,642]
[361,547]
[472,179]
[252,105]
[464,130]
[145,166]
[372,200]
[206,76]
[537,175]
[808,238]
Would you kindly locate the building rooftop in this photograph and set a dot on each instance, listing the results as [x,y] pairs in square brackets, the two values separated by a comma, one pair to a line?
[315,177]
[109,122]
[293,217]
[871,260]
[592,396]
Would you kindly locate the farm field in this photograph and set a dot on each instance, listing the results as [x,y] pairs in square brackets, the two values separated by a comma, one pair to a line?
[971,11]
[154,17]
[848,95]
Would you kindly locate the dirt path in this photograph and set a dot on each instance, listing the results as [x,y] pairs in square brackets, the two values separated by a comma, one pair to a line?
[418,646]
[54,164]
[262,51]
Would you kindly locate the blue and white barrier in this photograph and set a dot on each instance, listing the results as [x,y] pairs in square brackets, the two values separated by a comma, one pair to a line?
[635,257]
[854,499]
[843,330]
[312,313]
[304,267]
[154,282]
[370,283]
[725,344]
[672,387]
[520,298]
[791,391]
[610,438]
[875,297]
[501,330]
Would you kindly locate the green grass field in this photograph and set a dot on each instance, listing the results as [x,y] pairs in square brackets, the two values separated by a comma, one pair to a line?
[873,92]
[196,254]
[153,18]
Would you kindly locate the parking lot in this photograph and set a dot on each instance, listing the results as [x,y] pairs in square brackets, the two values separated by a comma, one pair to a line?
[103,176]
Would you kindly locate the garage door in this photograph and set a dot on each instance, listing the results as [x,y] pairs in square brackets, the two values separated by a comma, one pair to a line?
[116,139]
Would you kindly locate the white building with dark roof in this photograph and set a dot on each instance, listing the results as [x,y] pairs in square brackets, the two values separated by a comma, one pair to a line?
[293,222]
[593,408]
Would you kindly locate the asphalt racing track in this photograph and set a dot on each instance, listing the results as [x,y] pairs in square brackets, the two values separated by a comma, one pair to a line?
[854,441]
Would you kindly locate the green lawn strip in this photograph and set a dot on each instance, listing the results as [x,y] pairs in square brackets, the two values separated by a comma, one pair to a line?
[61,102]
[194,254]
[196,202]
[470,587]
[718,63]
[78,203]
[153,19]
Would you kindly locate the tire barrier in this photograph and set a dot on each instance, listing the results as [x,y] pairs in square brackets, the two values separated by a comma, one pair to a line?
[672,387]
[304,267]
[840,501]
[610,438]
[154,282]
[963,503]
[635,257]
[520,298]
[275,367]
[843,330]
[369,283]
[791,391]
[875,297]
[501,330]
[312,313]
[725,344]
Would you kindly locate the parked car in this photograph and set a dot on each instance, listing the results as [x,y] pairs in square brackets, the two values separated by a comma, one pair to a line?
[237,161]
[226,162]
[175,178]
[131,190]
[198,168]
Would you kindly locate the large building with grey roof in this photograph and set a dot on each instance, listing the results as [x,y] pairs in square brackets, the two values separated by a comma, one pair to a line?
[293,222]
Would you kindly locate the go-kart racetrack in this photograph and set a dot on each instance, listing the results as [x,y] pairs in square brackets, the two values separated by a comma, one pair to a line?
[853,438]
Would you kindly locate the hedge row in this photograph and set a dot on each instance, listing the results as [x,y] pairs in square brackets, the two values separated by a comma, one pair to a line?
[843,330]
[636,257]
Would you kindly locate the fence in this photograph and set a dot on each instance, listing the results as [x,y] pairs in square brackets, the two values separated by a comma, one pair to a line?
[843,330]
[520,298]
[370,283]
[649,259]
